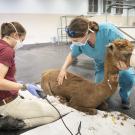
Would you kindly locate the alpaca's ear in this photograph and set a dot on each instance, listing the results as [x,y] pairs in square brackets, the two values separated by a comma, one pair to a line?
[111,47]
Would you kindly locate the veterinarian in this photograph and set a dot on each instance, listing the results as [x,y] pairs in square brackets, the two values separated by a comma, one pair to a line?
[33,111]
[90,38]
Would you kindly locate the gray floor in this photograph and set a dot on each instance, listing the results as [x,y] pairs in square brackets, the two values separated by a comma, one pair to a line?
[34,59]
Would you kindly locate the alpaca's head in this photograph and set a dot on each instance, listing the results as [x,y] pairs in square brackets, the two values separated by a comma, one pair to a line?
[120,50]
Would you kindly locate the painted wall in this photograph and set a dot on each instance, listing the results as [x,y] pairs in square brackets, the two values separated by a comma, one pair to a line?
[41,18]
[40,28]
[44,6]
[51,6]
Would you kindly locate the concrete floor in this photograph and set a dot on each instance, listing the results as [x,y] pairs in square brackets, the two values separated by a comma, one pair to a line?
[34,59]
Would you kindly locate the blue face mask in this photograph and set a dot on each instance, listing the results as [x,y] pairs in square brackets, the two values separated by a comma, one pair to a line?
[80,43]
[83,44]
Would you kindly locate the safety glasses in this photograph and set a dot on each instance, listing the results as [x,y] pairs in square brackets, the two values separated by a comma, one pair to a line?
[73,33]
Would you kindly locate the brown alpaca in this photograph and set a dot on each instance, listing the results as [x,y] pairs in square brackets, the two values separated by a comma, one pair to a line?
[83,94]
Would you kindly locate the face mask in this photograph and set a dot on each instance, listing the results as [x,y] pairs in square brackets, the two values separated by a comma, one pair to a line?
[80,43]
[88,36]
[18,44]
[132,59]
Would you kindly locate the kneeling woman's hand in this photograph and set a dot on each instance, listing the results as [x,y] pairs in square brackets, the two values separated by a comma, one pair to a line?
[62,75]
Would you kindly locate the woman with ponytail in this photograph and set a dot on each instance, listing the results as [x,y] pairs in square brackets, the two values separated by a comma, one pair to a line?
[90,38]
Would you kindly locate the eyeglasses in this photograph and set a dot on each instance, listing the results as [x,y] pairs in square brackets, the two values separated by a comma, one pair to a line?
[73,33]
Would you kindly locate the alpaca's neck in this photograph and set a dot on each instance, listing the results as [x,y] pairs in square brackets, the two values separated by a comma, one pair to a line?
[111,74]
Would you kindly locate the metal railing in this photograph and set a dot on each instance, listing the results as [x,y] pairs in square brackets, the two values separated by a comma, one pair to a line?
[131,37]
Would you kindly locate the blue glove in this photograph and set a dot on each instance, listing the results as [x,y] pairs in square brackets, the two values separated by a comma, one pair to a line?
[33,89]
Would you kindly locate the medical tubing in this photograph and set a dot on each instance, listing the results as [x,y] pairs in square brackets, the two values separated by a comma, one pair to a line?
[59,115]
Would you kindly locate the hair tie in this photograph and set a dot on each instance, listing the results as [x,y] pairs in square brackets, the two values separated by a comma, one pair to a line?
[89,29]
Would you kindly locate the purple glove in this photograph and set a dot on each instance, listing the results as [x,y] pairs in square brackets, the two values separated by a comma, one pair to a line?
[33,89]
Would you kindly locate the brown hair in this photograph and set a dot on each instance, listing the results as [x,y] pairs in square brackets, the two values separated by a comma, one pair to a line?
[8,28]
[79,26]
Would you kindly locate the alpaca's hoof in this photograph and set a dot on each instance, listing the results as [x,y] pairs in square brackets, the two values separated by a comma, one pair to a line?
[92,112]
[104,107]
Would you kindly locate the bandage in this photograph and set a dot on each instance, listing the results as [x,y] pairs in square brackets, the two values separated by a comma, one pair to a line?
[132,59]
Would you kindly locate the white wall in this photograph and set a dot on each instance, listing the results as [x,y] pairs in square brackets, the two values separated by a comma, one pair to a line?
[44,6]
[41,18]
[40,27]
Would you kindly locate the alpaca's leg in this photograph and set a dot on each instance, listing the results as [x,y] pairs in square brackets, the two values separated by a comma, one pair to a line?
[103,106]
[90,111]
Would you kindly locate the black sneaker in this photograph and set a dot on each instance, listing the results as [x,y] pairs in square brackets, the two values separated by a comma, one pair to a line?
[126,105]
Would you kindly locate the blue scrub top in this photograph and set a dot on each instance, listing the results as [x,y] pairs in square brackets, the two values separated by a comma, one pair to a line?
[106,34]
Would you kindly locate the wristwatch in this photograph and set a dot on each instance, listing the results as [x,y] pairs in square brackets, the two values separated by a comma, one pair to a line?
[24,87]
